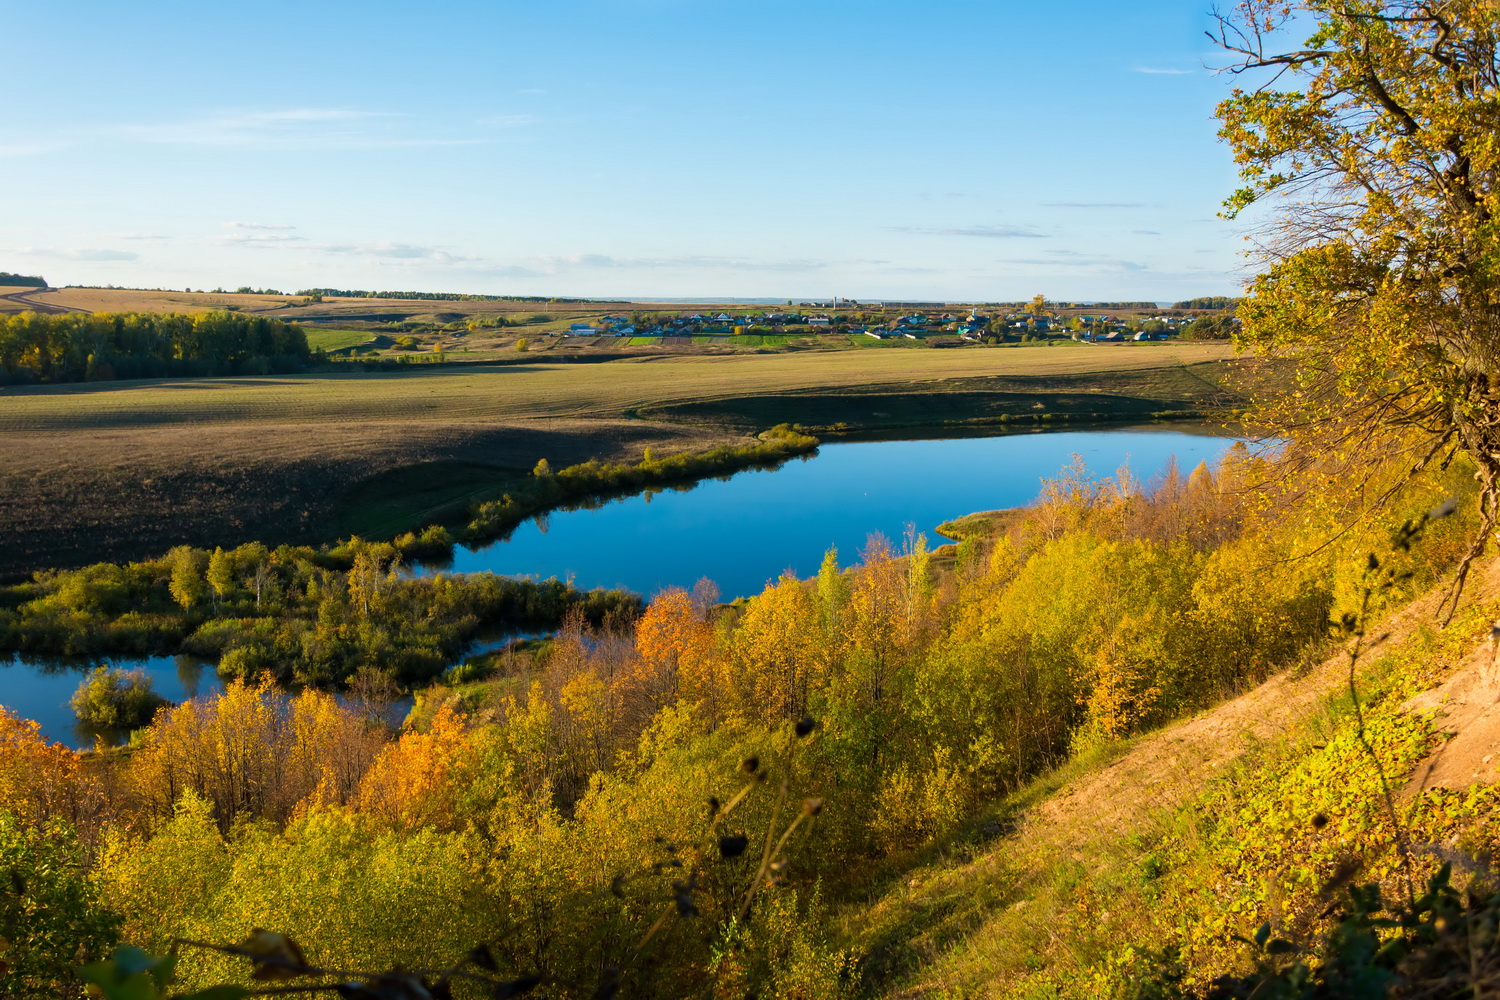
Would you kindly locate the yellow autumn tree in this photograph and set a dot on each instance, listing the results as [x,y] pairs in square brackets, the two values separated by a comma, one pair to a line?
[409,785]
[777,660]
[38,779]
[675,644]
[330,749]
[225,749]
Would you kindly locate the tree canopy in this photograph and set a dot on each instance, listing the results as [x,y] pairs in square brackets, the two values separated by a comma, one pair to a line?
[103,346]
[1378,141]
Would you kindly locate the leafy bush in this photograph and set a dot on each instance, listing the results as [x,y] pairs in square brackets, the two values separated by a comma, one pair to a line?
[51,917]
[117,699]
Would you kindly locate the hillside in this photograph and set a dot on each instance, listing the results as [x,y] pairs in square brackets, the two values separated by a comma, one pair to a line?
[997,795]
[1058,886]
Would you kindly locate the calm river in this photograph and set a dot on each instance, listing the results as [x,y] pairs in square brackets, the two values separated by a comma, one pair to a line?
[741,532]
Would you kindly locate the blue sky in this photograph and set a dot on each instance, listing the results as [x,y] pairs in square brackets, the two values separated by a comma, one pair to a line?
[951,149]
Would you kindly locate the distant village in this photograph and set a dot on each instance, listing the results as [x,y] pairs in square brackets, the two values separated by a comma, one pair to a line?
[913,321]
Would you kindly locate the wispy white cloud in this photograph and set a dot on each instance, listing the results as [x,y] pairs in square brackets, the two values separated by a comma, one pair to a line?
[1101,265]
[1160,71]
[389,250]
[76,253]
[292,128]
[984,232]
[261,240]
[257,225]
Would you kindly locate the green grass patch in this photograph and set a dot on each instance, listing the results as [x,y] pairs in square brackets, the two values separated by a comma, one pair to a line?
[414,496]
[644,341]
[337,340]
[759,340]
[860,340]
[980,524]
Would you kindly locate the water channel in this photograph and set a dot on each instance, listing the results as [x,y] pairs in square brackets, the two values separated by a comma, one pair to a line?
[741,531]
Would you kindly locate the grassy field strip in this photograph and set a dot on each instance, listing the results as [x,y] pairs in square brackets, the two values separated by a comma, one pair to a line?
[544,390]
[337,340]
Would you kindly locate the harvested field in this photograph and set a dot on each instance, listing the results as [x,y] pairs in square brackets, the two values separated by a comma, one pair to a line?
[127,469]
[70,498]
[124,300]
[20,298]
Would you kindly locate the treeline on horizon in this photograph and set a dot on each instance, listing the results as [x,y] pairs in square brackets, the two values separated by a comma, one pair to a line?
[1208,302]
[24,280]
[554,810]
[76,347]
[359,293]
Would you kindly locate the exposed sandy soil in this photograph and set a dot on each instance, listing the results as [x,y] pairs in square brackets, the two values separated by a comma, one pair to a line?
[1165,768]
[1468,707]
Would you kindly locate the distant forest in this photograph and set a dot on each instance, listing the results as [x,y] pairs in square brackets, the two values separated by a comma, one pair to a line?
[24,280]
[357,293]
[1208,302]
[105,346]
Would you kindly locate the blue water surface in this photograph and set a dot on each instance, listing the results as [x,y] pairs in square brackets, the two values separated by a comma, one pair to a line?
[746,531]
[41,688]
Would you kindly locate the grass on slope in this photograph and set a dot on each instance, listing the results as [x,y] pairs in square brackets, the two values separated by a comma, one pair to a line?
[1182,838]
[414,496]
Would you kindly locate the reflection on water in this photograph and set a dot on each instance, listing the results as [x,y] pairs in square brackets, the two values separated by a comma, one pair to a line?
[744,530]
[41,688]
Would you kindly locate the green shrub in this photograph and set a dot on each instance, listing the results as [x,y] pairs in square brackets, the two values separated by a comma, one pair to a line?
[118,699]
[51,918]
[468,672]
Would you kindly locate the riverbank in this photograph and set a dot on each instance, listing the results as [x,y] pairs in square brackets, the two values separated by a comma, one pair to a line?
[126,470]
